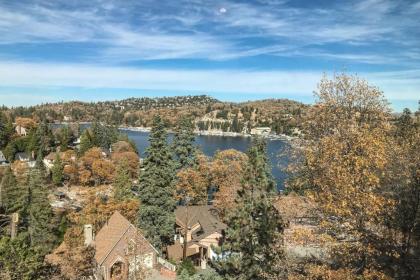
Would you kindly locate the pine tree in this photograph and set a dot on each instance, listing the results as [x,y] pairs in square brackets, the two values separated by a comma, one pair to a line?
[85,142]
[8,185]
[157,204]
[185,152]
[254,235]
[39,213]
[57,170]
[122,182]
[13,194]
[6,130]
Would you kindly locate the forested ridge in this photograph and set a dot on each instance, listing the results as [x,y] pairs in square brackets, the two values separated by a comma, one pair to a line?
[281,115]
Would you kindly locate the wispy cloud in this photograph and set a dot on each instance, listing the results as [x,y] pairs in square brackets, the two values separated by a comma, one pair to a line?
[143,30]
[403,85]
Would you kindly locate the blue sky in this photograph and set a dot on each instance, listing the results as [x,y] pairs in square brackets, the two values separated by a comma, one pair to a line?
[232,50]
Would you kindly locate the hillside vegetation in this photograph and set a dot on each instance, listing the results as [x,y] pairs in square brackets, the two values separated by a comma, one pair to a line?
[281,115]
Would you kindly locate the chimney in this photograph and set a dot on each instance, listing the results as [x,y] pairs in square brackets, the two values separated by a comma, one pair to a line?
[88,230]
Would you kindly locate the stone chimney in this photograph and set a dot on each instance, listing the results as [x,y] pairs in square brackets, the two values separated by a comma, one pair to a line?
[88,230]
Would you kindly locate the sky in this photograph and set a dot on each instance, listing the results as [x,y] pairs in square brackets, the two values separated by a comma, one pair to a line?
[231,50]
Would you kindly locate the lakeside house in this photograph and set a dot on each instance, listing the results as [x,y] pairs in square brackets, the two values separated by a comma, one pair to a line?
[21,131]
[26,157]
[261,131]
[203,230]
[120,250]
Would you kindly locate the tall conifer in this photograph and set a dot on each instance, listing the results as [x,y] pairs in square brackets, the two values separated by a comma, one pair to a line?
[185,152]
[157,204]
[253,246]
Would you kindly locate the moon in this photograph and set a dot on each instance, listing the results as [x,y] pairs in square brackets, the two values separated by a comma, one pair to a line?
[222,10]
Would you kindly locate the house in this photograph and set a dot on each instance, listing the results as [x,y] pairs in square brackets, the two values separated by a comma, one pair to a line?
[204,231]
[25,157]
[49,160]
[121,249]
[3,160]
[260,131]
[20,130]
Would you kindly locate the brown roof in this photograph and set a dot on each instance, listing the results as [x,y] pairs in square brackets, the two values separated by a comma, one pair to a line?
[110,234]
[206,216]
[176,251]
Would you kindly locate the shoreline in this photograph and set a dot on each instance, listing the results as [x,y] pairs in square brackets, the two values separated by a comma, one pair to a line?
[218,133]
[206,132]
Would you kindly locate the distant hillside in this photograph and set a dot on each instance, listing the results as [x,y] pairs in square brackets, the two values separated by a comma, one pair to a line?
[281,115]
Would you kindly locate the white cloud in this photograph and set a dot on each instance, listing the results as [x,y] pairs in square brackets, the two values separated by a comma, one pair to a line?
[402,85]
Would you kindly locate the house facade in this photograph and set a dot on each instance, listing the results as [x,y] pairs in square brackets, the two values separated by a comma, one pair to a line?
[121,250]
[203,230]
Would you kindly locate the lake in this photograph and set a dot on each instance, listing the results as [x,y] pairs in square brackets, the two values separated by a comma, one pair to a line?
[210,144]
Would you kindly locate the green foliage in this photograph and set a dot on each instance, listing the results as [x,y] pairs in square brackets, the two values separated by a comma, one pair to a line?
[40,140]
[103,136]
[39,213]
[8,192]
[57,170]
[64,137]
[208,274]
[122,182]
[20,260]
[186,268]
[6,130]
[185,152]
[156,216]
[254,226]
[85,142]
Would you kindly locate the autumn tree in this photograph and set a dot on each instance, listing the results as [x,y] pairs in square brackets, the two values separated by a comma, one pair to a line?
[404,182]
[253,241]
[227,170]
[193,183]
[343,165]
[157,204]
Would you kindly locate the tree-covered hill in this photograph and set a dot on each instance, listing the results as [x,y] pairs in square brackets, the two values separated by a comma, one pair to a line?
[282,115]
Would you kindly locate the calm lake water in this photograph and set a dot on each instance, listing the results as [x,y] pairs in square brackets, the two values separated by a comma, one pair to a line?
[210,144]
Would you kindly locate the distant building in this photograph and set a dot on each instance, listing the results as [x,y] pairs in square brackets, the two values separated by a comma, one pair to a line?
[204,231]
[260,131]
[20,130]
[3,160]
[25,157]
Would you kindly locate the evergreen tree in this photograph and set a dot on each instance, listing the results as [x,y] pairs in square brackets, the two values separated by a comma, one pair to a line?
[185,152]
[157,204]
[253,239]
[40,140]
[122,182]
[85,142]
[8,188]
[57,170]
[6,130]
[39,213]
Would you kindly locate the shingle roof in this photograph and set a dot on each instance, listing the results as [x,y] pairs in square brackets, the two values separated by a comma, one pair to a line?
[206,216]
[110,234]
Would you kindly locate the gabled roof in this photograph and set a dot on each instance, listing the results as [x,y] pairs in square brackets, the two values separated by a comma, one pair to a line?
[206,216]
[2,157]
[111,233]
[23,156]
